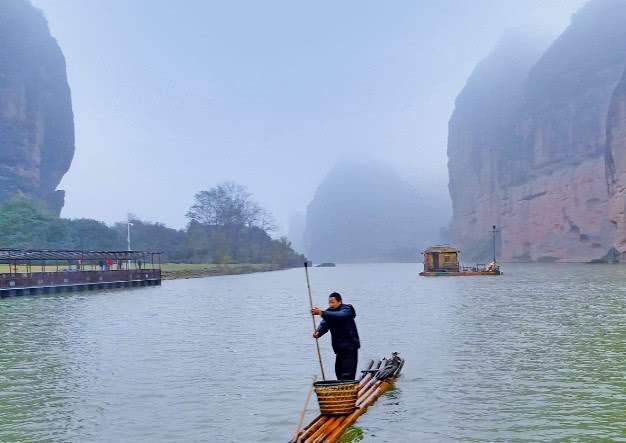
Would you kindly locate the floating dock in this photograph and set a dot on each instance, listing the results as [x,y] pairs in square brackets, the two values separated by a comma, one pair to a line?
[378,377]
[33,272]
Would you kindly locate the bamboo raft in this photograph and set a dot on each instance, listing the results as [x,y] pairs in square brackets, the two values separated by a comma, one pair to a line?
[376,379]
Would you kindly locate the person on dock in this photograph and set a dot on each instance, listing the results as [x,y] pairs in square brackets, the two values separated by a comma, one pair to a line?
[339,320]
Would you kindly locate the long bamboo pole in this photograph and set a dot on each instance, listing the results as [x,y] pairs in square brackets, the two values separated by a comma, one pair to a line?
[317,343]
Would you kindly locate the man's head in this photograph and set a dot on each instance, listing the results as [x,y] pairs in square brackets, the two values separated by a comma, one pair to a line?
[334,300]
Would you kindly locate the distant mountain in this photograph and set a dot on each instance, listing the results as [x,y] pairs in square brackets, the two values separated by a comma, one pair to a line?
[36,118]
[363,211]
[295,232]
[530,149]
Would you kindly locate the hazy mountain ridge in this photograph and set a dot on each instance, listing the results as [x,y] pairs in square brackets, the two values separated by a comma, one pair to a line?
[365,212]
[36,118]
[542,176]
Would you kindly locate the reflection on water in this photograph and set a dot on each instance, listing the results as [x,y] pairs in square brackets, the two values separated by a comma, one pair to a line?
[537,354]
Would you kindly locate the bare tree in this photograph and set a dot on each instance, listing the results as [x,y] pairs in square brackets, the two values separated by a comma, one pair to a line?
[229,204]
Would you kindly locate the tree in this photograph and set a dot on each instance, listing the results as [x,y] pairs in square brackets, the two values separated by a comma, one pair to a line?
[155,237]
[26,224]
[86,233]
[235,236]
[229,204]
[226,225]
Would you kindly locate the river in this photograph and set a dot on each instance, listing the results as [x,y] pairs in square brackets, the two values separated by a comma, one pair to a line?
[537,354]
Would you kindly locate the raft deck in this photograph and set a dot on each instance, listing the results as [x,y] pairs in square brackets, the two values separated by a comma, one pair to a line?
[328,428]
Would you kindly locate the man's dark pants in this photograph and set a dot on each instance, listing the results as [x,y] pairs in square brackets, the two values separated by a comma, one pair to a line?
[345,364]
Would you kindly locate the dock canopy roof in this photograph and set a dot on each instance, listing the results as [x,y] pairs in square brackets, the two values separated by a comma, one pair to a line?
[13,255]
[441,249]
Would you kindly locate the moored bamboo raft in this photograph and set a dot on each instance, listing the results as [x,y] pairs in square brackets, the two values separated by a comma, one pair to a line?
[377,378]
[459,273]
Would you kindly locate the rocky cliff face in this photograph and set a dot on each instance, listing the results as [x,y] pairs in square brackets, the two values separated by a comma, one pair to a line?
[616,164]
[36,119]
[546,165]
[479,131]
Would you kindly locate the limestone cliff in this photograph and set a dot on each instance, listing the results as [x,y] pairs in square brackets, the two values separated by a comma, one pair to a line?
[548,180]
[36,119]
[479,130]
[616,164]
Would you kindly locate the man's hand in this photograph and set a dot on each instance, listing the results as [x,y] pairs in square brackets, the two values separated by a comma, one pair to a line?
[316,311]
[316,334]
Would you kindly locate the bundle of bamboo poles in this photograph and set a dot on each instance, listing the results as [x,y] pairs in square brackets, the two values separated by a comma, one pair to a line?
[328,429]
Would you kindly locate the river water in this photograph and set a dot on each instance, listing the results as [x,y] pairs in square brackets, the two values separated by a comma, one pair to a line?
[535,355]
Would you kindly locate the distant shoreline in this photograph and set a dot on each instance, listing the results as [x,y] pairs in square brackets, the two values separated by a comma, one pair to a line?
[181,271]
[178,271]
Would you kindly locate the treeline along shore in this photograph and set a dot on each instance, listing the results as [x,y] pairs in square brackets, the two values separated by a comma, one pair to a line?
[227,233]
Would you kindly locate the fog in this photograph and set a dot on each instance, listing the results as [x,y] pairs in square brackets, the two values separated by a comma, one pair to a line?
[363,211]
[173,97]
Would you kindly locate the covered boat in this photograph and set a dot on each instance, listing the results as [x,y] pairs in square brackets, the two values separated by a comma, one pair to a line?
[442,261]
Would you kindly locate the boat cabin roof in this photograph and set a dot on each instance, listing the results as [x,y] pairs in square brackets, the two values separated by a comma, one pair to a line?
[441,249]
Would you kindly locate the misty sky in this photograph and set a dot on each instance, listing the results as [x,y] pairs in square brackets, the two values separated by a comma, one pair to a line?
[171,97]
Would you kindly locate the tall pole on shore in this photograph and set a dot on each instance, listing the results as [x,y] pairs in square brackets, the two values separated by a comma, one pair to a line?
[493,231]
[128,225]
[317,342]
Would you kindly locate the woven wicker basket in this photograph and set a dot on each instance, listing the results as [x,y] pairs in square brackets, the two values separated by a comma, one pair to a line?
[336,397]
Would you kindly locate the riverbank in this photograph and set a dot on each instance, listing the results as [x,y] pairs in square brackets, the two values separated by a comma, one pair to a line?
[174,271]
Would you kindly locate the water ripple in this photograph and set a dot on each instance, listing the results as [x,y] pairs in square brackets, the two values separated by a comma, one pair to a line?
[533,356]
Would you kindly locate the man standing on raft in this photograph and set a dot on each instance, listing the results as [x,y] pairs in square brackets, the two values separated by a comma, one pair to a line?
[339,319]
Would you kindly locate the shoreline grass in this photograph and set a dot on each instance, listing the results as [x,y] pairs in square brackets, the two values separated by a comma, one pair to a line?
[173,271]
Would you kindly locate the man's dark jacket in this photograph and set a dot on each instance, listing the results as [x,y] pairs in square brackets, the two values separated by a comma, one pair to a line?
[340,322]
